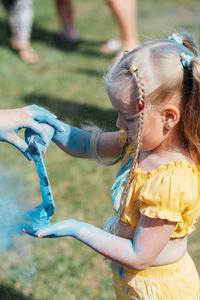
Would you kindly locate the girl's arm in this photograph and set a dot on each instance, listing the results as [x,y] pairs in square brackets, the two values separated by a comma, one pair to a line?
[149,239]
[77,142]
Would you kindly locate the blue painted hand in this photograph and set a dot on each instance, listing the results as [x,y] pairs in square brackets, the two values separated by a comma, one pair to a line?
[12,120]
[59,229]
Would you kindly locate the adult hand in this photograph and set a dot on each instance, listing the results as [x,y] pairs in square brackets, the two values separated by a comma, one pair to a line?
[12,120]
[59,229]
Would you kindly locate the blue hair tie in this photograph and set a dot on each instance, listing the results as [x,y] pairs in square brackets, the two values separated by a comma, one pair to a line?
[186,60]
[175,37]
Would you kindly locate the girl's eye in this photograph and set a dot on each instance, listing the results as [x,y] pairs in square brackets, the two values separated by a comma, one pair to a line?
[132,119]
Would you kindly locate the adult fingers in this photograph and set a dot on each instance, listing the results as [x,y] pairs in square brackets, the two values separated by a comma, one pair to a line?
[36,108]
[47,131]
[37,128]
[20,144]
[49,120]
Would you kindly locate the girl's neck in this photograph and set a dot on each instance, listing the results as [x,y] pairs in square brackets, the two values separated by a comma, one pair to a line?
[173,146]
[168,151]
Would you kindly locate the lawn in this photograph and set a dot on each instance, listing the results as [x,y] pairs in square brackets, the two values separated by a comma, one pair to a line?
[68,80]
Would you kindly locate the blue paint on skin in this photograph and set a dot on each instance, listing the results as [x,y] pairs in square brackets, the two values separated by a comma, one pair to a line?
[107,244]
[75,140]
[63,228]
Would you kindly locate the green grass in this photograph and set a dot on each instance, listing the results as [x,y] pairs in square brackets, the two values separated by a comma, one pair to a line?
[68,81]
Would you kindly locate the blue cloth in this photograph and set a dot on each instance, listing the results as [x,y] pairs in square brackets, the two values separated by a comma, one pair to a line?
[40,215]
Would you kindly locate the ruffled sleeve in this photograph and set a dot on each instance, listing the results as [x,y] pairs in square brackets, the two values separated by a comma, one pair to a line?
[172,193]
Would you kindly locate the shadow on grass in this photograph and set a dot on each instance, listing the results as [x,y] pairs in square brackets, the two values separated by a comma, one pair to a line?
[4,34]
[91,72]
[53,40]
[8,293]
[73,112]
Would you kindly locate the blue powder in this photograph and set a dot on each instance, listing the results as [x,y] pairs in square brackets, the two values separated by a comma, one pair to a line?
[14,204]
[120,272]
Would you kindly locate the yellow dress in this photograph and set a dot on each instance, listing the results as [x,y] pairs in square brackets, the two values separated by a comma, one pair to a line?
[169,192]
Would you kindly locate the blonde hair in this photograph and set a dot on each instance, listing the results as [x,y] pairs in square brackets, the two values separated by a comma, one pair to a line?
[160,60]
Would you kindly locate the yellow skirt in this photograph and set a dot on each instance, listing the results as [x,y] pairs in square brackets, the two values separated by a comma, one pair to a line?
[177,281]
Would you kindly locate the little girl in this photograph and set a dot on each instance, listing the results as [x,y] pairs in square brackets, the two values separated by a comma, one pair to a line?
[156,92]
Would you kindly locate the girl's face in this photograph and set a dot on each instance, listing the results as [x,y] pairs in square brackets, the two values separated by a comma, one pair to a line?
[128,120]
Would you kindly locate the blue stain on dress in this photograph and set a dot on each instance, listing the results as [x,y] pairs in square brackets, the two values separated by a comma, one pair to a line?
[120,272]
[120,182]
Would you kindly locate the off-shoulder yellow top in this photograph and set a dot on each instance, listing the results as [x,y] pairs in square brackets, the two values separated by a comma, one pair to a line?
[170,192]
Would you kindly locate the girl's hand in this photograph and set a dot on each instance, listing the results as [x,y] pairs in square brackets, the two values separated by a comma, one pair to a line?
[59,229]
[12,120]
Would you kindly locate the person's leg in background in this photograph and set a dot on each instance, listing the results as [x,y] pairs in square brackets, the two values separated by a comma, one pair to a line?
[65,11]
[198,17]
[125,13]
[20,16]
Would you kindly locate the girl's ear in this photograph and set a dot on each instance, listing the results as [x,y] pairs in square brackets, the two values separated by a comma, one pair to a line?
[170,116]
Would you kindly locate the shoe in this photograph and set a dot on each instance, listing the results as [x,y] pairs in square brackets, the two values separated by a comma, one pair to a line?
[126,48]
[69,33]
[111,46]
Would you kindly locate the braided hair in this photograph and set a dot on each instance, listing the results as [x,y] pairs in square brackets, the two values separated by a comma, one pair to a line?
[160,75]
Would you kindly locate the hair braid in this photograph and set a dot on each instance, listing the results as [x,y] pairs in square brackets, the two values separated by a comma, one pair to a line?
[140,96]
